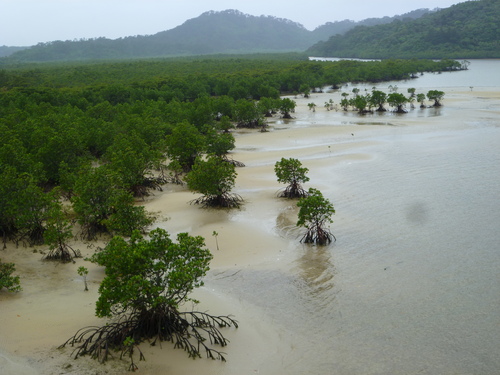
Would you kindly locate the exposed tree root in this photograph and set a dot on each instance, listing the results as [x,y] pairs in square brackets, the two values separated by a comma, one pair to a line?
[226,200]
[233,162]
[8,232]
[90,231]
[175,180]
[64,253]
[294,190]
[186,330]
[149,183]
[31,237]
[250,124]
[318,235]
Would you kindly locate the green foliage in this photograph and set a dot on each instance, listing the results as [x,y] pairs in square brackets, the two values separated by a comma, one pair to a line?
[185,144]
[133,161]
[290,171]
[398,100]
[247,114]
[219,144]
[360,102]
[145,283]
[32,205]
[216,235]
[103,207]
[345,102]
[243,34]
[465,30]
[435,95]
[146,275]
[7,281]
[421,100]
[95,190]
[305,90]
[126,217]
[58,231]
[315,211]
[214,178]
[99,131]
[83,272]
[378,98]
[287,106]
[268,106]
[23,208]
[10,186]
[212,32]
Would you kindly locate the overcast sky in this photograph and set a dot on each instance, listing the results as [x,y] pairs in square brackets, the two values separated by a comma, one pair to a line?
[28,22]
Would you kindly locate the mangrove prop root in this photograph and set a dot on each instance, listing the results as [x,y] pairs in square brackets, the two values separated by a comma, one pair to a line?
[227,200]
[32,236]
[236,163]
[63,253]
[318,235]
[191,331]
[89,231]
[294,190]
[149,183]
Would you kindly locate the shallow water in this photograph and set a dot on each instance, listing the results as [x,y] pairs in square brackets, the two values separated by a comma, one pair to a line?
[480,73]
[412,284]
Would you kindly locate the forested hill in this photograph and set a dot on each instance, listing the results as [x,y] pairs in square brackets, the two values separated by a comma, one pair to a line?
[466,30]
[6,51]
[329,29]
[213,32]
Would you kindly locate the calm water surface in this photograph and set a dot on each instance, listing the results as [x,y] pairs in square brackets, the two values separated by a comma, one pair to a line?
[480,73]
[412,286]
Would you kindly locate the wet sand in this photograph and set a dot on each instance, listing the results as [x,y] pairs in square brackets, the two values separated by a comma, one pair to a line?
[258,238]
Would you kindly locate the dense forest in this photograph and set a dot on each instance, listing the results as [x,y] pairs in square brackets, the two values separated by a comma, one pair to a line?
[97,136]
[212,32]
[465,30]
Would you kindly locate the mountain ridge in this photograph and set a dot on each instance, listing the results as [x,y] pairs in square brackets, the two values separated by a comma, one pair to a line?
[464,30]
[213,32]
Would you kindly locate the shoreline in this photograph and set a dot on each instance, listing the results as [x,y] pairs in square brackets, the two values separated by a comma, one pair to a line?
[253,239]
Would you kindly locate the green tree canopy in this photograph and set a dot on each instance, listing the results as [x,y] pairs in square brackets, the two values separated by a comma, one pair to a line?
[290,171]
[360,102]
[435,95]
[103,207]
[58,231]
[421,100]
[398,100]
[134,161]
[247,114]
[185,144]
[7,280]
[146,282]
[378,98]
[286,107]
[214,178]
[315,211]
[147,275]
